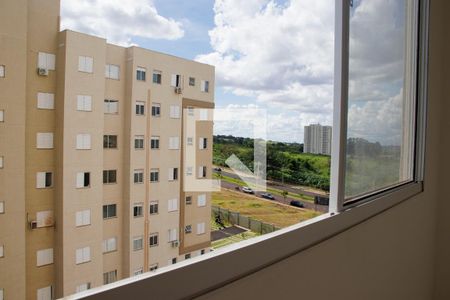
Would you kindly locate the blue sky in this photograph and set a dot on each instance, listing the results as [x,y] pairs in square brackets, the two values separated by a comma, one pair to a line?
[269,54]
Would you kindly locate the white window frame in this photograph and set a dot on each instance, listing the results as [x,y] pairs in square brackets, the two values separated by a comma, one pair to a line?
[83,287]
[44,257]
[82,255]
[83,141]
[137,172]
[2,71]
[85,64]
[112,71]
[174,143]
[201,228]
[2,251]
[84,103]
[109,105]
[41,178]
[109,245]
[2,115]
[137,239]
[172,205]
[45,293]
[174,112]
[301,236]
[80,178]
[173,235]
[141,205]
[46,61]
[201,200]
[45,100]
[83,218]
[44,140]
[2,207]
[140,104]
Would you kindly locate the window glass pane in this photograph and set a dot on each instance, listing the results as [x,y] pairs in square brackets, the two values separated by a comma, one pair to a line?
[381,97]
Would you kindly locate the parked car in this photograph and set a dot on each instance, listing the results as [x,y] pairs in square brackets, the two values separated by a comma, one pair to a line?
[247,190]
[268,196]
[297,203]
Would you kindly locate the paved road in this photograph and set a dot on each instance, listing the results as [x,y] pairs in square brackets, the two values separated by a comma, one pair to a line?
[276,185]
[308,205]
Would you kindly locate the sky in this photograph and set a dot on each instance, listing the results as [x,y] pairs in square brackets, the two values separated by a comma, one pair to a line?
[269,54]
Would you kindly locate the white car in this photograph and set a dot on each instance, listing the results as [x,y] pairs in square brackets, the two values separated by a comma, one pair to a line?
[247,190]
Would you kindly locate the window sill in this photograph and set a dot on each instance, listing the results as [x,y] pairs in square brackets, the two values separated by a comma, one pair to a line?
[271,248]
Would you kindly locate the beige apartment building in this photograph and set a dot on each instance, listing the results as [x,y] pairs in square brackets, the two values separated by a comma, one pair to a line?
[91,157]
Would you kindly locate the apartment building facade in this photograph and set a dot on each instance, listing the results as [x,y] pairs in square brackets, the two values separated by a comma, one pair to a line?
[91,157]
[317,139]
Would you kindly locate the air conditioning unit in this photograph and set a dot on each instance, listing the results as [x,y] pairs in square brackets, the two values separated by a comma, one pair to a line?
[42,72]
[175,243]
[178,90]
[33,224]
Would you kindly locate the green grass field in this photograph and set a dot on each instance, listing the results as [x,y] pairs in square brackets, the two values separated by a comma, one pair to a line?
[264,210]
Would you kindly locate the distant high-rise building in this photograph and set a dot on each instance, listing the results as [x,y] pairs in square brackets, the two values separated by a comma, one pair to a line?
[317,139]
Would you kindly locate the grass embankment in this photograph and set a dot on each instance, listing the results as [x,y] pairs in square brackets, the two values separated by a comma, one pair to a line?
[263,210]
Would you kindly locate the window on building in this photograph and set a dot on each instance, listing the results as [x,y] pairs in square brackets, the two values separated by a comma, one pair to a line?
[189,171]
[190,111]
[156,109]
[109,245]
[202,143]
[157,76]
[192,81]
[83,180]
[172,205]
[205,86]
[138,243]
[175,80]
[44,140]
[174,111]
[2,207]
[140,73]
[109,176]
[112,72]
[83,141]
[154,142]
[83,218]
[202,172]
[2,115]
[153,267]
[202,251]
[153,240]
[138,176]
[83,287]
[174,260]
[84,103]
[138,210]
[173,174]
[154,175]
[110,277]
[44,180]
[138,271]
[203,114]
[139,142]
[44,257]
[46,61]
[187,256]
[153,207]
[190,141]
[45,101]
[140,108]
[2,71]
[83,255]
[201,200]
[188,200]
[188,229]
[174,143]
[45,293]
[85,64]
[109,211]
[201,228]
[2,251]
[173,235]
[111,106]
[110,141]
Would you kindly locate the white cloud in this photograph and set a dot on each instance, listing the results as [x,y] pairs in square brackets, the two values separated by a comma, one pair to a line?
[119,21]
[278,54]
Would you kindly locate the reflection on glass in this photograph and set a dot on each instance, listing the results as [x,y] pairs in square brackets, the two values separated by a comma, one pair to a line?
[381,99]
